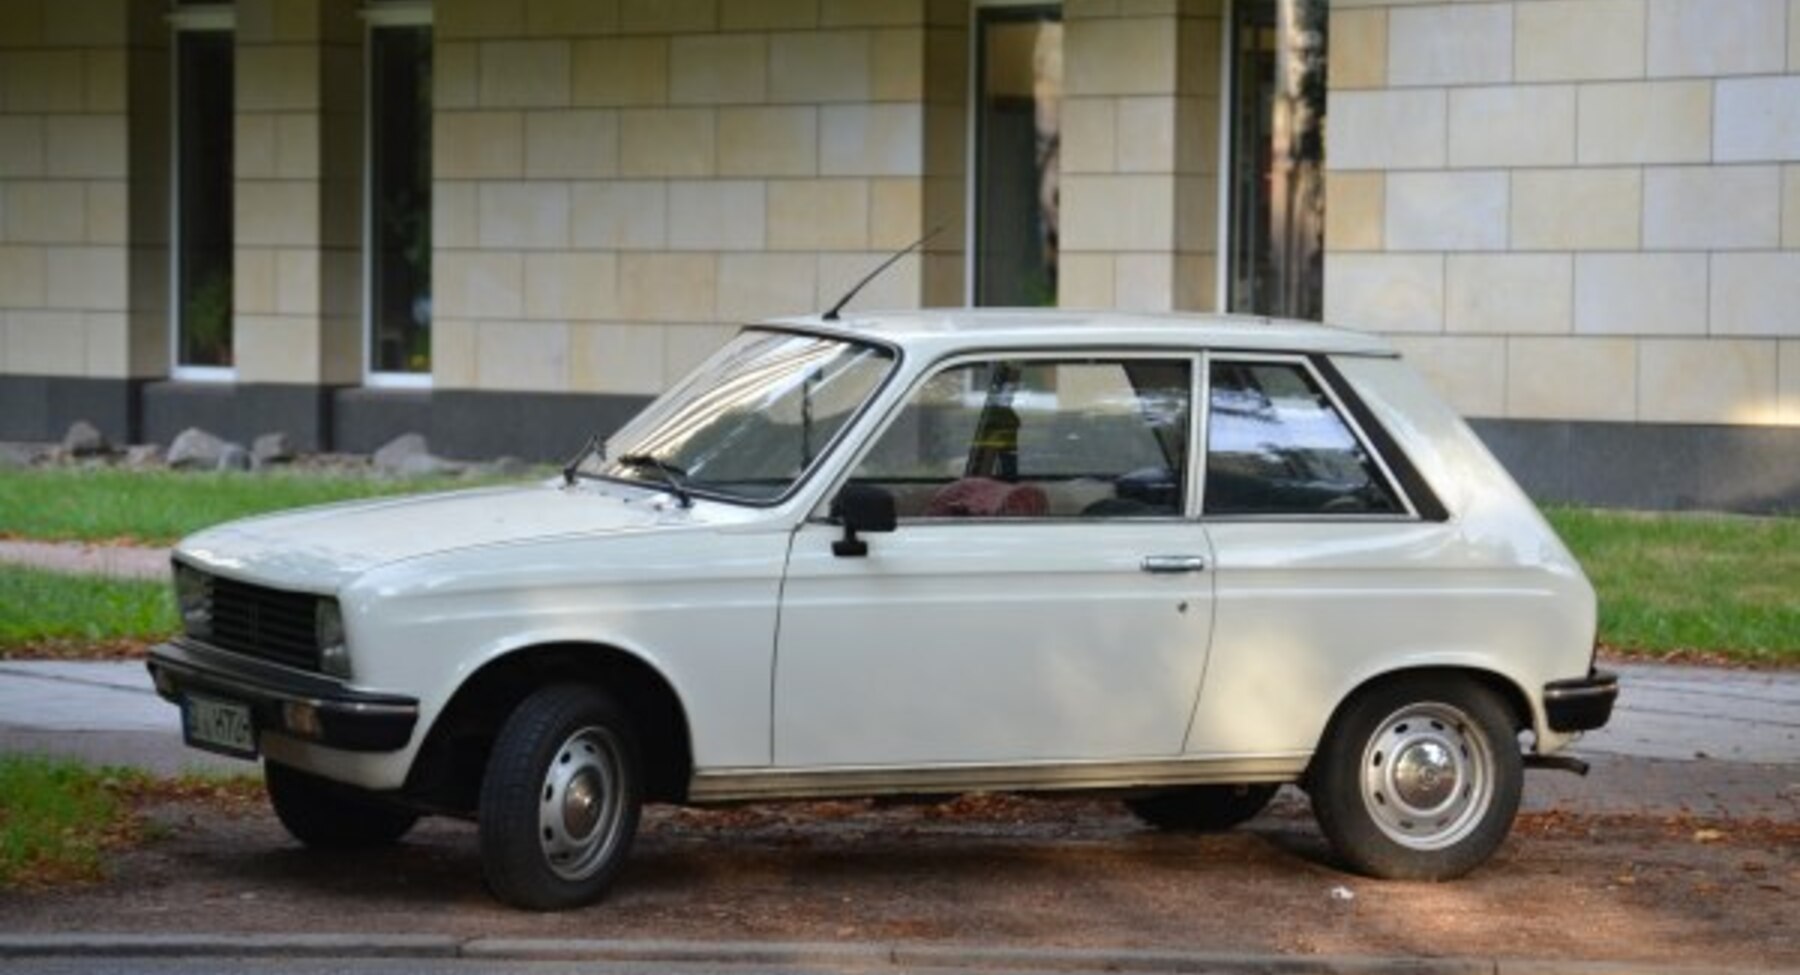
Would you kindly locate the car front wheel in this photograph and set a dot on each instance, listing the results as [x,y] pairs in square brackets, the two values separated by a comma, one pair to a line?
[560,799]
[1419,778]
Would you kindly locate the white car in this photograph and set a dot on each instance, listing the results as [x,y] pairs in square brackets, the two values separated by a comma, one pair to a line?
[1178,559]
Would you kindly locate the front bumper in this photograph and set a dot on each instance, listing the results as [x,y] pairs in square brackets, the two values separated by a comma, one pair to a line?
[1581,703]
[352,720]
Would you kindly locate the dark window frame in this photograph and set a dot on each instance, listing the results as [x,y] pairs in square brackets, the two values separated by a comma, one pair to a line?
[376,371]
[981,16]
[205,28]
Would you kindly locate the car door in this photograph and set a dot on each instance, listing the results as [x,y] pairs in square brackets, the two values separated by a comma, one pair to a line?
[1044,597]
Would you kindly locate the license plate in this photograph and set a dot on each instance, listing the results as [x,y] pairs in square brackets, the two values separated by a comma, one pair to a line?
[219,726]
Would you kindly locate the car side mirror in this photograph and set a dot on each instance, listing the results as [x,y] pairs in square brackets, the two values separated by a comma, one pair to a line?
[861,508]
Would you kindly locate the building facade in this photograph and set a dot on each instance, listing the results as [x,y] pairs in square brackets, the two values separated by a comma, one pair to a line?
[508,223]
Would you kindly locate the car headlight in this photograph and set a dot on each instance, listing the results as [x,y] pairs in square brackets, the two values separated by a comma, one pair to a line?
[193,600]
[328,626]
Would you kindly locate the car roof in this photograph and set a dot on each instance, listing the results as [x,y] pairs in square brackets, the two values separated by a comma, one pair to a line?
[950,329]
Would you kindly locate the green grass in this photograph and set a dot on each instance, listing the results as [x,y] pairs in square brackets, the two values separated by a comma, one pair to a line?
[1686,584]
[159,507]
[49,613]
[57,818]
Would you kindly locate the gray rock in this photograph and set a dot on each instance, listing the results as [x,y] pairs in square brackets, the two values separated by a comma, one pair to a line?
[427,465]
[194,448]
[18,454]
[143,455]
[234,458]
[393,455]
[84,440]
[271,448]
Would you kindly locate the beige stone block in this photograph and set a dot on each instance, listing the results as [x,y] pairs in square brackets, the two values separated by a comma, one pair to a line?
[21,25]
[821,66]
[525,74]
[1089,135]
[1118,213]
[455,75]
[108,344]
[621,215]
[276,348]
[571,144]
[571,286]
[1790,207]
[1576,209]
[819,214]
[453,214]
[526,356]
[253,281]
[253,145]
[899,287]
[571,18]
[1388,129]
[1385,292]
[86,146]
[1793,58]
[1084,280]
[619,358]
[1133,56]
[277,78]
[91,278]
[105,89]
[1707,381]
[453,352]
[107,215]
[898,65]
[1197,227]
[1708,38]
[769,15]
[1355,211]
[22,278]
[757,286]
[718,69]
[668,287]
[1758,120]
[297,281]
[1525,125]
[1146,135]
[45,343]
[1756,294]
[478,18]
[1464,211]
[478,145]
[1144,282]
[1468,371]
[1788,409]
[44,212]
[668,16]
[276,213]
[1510,294]
[21,146]
[871,13]
[523,215]
[478,284]
[717,215]
[1467,44]
[1640,294]
[768,141]
[297,152]
[686,346]
[622,71]
[1358,49]
[667,142]
[42,81]
[1712,207]
[872,140]
[1579,40]
[1571,379]
[896,212]
[1645,122]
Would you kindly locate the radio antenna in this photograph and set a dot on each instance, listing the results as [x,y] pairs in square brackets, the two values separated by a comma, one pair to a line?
[832,315]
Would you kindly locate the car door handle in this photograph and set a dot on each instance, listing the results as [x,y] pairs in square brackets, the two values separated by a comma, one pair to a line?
[1173,563]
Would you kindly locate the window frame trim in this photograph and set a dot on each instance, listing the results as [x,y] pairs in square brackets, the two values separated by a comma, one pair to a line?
[375,18]
[221,19]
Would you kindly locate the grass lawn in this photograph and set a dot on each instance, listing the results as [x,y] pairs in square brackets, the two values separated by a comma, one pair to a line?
[1691,585]
[48,614]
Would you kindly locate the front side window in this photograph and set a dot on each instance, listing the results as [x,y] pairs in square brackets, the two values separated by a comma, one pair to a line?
[1039,439]
[1277,446]
[1018,139]
[753,419]
[203,87]
[399,229]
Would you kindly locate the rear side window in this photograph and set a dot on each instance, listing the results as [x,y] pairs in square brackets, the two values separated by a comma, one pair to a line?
[1277,446]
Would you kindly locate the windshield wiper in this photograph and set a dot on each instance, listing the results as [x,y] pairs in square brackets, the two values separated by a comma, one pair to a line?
[572,469]
[673,476]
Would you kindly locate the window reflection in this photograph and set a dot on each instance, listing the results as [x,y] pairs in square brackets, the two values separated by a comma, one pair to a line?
[203,86]
[1018,129]
[400,199]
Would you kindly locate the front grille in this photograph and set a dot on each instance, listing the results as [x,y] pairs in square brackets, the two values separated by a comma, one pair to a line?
[261,622]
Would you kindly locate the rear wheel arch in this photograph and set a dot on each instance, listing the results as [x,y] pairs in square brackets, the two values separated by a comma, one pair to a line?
[447,772]
[1517,702]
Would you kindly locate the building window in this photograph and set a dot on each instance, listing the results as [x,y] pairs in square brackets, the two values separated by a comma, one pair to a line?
[1277,259]
[203,211]
[399,208]
[1018,137]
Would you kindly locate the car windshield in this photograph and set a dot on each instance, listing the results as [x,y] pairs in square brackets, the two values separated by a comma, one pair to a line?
[752,419]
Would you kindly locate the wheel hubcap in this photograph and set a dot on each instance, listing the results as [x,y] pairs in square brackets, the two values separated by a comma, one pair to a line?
[1427,776]
[580,807]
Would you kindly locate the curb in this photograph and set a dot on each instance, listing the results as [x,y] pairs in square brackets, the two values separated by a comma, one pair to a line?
[818,956]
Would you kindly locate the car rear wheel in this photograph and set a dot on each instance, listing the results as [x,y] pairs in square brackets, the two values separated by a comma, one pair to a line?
[1203,808]
[1419,778]
[560,799]
[328,816]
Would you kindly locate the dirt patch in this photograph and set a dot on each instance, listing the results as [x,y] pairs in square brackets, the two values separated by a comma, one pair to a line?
[990,870]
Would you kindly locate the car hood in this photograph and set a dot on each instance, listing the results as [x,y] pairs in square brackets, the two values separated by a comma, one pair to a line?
[319,549]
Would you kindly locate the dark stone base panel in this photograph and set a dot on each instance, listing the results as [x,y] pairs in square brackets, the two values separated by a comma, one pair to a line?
[532,426]
[239,411]
[40,408]
[362,419]
[1651,466]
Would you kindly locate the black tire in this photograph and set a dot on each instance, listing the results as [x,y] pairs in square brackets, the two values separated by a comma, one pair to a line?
[328,816]
[1450,741]
[1204,808]
[567,751]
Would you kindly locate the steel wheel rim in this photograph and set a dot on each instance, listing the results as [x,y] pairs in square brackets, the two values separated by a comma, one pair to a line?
[580,804]
[1428,776]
